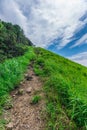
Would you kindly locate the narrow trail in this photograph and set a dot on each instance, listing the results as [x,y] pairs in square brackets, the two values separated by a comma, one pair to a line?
[24,115]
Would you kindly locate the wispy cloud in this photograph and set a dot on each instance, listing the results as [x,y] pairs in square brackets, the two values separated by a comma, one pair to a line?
[81,41]
[80,58]
[45,20]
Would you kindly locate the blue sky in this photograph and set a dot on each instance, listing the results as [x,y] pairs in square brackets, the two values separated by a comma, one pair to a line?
[57,25]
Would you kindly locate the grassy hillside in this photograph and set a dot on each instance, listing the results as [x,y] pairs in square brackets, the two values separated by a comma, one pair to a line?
[65,84]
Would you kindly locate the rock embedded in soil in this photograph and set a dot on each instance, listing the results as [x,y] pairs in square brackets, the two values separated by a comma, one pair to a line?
[21,82]
[9,126]
[29,78]
[13,95]
[20,91]
[29,90]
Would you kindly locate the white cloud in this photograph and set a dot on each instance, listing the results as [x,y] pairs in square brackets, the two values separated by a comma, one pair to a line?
[81,41]
[80,58]
[10,12]
[45,20]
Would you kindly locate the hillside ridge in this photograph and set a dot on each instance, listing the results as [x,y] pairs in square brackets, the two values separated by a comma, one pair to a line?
[64,83]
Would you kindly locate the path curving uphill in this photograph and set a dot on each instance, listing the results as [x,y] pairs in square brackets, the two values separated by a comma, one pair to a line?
[26,115]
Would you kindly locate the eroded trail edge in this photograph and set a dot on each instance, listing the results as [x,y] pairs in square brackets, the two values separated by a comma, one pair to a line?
[26,115]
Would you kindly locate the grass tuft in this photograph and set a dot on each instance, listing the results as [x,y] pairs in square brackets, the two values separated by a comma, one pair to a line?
[35,99]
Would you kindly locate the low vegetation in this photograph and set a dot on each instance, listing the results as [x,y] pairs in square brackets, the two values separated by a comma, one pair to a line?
[64,86]
[66,91]
[11,73]
[35,99]
[65,82]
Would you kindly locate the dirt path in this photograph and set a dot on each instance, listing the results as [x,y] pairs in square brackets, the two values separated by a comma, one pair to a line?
[24,115]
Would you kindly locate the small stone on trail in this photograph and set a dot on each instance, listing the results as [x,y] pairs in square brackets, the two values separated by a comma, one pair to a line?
[29,78]
[21,82]
[20,91]
[9,126]
[28,90]
[26,75]
[13,95]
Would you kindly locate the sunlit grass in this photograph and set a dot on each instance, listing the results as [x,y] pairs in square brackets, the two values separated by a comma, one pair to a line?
[65,87]
[11,73]
[65,84]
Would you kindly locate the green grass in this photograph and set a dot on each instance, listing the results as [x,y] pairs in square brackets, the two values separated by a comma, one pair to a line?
[11,73]
[65,84]
[65,87]
[35,99]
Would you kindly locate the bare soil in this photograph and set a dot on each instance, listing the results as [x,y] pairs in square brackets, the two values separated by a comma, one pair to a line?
[24,115]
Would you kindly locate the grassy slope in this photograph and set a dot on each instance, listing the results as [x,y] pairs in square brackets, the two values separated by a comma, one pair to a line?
[66,87]
[64,84]
[11,73]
